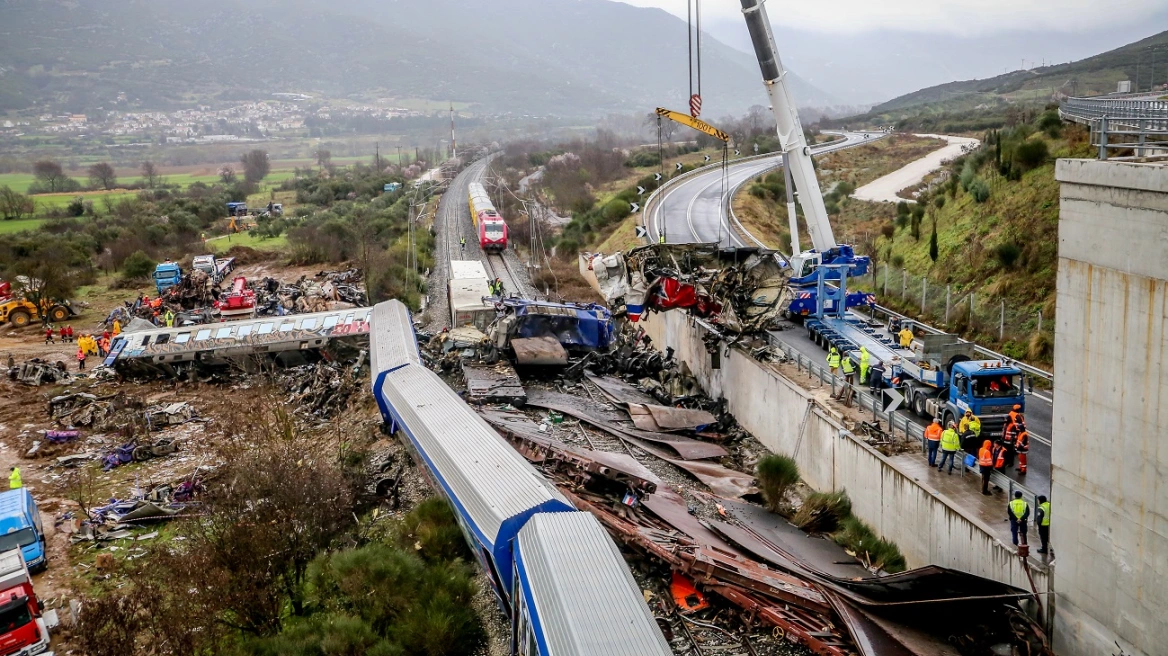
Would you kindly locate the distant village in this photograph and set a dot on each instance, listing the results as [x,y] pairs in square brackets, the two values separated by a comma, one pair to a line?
[248,121]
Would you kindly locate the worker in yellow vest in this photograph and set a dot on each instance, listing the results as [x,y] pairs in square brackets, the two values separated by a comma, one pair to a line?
[970,423]
[950,444]
[865,363]
[906,337]
[833,360]
[14,481]
[1019,515]
[1042,519]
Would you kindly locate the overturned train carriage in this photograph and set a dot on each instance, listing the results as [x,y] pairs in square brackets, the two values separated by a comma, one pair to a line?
[525,534]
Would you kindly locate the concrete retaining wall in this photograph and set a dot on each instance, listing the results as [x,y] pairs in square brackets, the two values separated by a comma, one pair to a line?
[928,528]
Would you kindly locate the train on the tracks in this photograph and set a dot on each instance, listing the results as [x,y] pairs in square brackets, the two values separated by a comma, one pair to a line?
[555,571]
[489,224]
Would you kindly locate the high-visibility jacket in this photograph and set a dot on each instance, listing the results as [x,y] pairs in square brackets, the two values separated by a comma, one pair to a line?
[906,338]
[848,367]
[985,457]
[966,425]
[999,456]
[933,432]
[975,425]
[833,359]
[1013,416]
[14,480]
[1022,442]
[1044,513]
[1019,510]
[865,358]
[950,440]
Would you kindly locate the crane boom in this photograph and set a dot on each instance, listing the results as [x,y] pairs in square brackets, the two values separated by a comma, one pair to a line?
[790,129]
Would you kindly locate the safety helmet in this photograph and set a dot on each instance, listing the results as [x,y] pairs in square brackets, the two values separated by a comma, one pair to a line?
[1017,407]
[969,413]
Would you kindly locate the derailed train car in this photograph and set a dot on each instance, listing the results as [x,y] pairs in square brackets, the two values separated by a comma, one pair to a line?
[555,571]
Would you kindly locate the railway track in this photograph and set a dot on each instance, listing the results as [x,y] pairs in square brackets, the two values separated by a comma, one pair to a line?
[499,268]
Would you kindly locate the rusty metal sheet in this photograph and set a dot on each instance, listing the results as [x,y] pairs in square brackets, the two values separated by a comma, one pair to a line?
[541,449]
[618,390]
[678,418]
[670,507]
[873,640]
[495,383]
[814,554]
[642,418]
[539,351]
[610,422]
[721,481]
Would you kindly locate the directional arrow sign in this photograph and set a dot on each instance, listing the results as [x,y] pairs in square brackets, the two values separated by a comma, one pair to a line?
[679,166]
[657,177]
[640,190]
[892,400]
[737,152]
[642,232]
[636,207]
[707,158]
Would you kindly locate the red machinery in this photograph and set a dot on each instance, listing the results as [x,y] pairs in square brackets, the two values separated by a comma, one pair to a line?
[239,303]
[22,626]
[492,233]
[5,291]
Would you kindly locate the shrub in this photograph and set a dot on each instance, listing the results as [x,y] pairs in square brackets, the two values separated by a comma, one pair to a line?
[76,207]
[138,265]
[845,189]
[979,190]
[642,159]
[933,252]
[776,474]
[898,261]
[1008,254]
[615,210]
[888,230]
[758,191]
[902,208]
[879,553]
[1031,153]
[822,512]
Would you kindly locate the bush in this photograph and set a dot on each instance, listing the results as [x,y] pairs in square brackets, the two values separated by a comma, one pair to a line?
[615,210]
[898,261]
[822,512]
[939,202]
[1031,153]
[776,474]
[902,208]
[138,265]
[1008,254]
[845,189]
[855,536]
[888,230]
[758,191]
[979,190]
[76,207]
[642,159]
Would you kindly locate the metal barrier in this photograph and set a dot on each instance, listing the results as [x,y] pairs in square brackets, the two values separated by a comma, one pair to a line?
[1151,113]
[911,430]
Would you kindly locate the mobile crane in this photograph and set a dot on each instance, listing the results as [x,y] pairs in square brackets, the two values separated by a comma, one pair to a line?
[800,172]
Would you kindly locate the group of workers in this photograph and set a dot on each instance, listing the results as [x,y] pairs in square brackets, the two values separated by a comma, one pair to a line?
[495,287]
[88,345]
[64,333]
[838,362]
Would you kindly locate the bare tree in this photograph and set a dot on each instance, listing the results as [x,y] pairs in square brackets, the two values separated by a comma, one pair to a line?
[14,205]
[324,158]
[50,174]
[103,175]
[227,174]
[150,175]
[256,165]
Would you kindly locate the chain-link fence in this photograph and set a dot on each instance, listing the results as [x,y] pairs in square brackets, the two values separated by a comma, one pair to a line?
[1022,333]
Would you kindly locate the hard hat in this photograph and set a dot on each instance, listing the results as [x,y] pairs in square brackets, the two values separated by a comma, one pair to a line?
[969,413]
[952,424]
[1017,407]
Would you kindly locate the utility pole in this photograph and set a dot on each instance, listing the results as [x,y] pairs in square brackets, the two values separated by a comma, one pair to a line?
[453,143]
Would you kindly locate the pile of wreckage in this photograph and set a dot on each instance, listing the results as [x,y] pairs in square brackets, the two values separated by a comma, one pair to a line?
[743,292]
[37,372]
[195,299]
[117,518]
[720,544]
[322,389]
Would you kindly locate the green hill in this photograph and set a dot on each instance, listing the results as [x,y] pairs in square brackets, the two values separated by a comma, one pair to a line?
[1091,76]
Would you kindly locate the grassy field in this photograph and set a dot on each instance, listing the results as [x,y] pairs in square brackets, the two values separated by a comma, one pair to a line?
[10,227]
[181,176]
[45,202]
[222,244]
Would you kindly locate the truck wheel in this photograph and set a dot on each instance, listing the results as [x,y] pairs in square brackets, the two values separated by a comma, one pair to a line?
[20,318]
[58,313]
[918,404]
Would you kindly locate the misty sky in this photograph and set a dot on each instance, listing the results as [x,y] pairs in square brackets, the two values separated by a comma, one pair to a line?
[863,51]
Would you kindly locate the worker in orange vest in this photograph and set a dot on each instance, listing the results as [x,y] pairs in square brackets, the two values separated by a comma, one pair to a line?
[933,440]
[985,461]
[1014,414]
[1021,444]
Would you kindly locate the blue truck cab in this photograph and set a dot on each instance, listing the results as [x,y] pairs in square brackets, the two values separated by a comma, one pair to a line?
[21,527]
[989,388]
[167,275]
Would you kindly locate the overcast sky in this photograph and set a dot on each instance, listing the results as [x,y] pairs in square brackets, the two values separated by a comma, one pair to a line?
[967,17]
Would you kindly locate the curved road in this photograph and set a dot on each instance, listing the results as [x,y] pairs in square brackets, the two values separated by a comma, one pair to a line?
[693,211]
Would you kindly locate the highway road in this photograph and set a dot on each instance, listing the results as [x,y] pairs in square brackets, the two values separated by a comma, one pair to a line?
[693,211]
[1039,413]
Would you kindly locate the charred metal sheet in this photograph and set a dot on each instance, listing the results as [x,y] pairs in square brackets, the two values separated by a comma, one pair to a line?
[813,555]
[665,418]
[582,464]
[871,639]
[539,351]
[618,390]
[495,383]
[670,508]
[609,421]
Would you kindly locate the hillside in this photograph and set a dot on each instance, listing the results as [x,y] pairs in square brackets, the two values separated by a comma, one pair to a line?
[569,57]
[1091,76]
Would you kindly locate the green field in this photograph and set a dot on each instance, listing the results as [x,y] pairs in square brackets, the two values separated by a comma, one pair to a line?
[222,244]
[58,201]
[281,171]
[10,227]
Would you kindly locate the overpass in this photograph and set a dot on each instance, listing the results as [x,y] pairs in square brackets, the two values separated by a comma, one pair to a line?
[1136,122]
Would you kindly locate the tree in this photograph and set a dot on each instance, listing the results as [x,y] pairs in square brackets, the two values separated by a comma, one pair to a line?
[50,174]
[933,242]
[150,175]
[138,265]
[103,175]
[14,205]
[256,165]
[324,158]
[227,175]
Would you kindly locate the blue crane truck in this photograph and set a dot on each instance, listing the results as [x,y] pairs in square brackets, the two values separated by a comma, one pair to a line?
[939,375]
